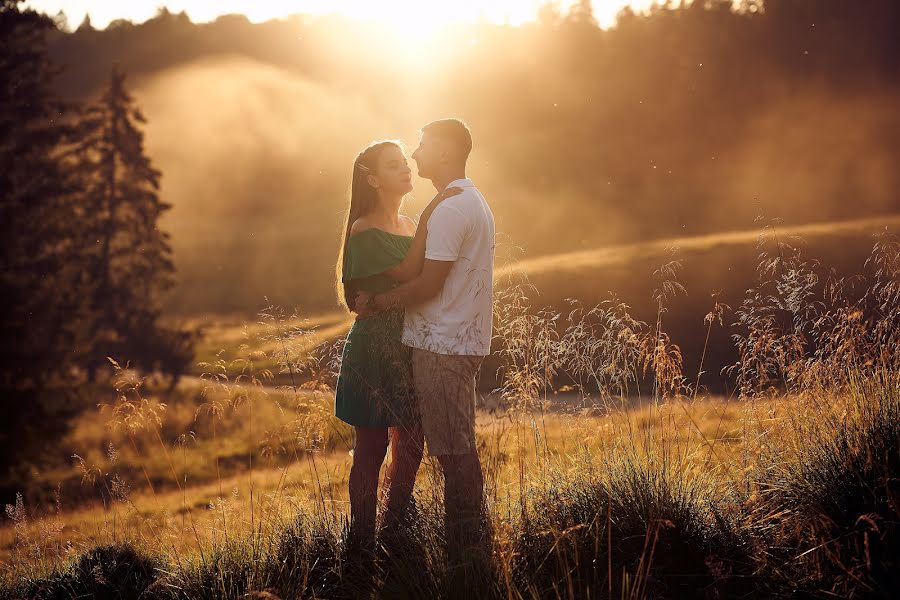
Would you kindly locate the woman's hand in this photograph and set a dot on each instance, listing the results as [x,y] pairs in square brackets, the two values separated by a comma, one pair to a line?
[411,266]
[440,197]
[361,303]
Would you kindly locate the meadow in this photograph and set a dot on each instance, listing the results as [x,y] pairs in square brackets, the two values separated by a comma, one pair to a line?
[611,470]
[677,404]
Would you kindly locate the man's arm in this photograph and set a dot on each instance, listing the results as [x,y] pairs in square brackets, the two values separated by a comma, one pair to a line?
[411,265]
[416,291]
[446,232]
[414,261]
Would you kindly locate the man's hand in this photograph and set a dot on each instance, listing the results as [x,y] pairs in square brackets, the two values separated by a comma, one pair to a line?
[363,306]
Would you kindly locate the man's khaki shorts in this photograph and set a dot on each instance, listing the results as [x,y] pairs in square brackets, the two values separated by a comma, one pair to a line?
[445,387]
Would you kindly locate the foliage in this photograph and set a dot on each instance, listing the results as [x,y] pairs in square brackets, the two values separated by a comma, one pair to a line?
[85,265]
[127,257]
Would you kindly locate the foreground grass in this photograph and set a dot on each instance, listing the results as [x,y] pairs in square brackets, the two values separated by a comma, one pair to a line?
[774,497]
[791,491]
[186,491]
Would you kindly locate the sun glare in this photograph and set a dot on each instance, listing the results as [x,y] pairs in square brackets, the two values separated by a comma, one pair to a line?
[430,14]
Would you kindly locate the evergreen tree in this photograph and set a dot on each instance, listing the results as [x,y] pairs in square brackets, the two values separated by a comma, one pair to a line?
[86,24]
[40,301]
[38,295]
[129,258]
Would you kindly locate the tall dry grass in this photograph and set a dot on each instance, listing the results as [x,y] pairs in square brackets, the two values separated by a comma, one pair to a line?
[608,474]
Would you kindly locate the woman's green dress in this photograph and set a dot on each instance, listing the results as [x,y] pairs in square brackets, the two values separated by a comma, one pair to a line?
[374,387]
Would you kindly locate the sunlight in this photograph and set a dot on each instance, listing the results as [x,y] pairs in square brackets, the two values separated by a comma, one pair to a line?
[418,20]
[414,20]
[605,11]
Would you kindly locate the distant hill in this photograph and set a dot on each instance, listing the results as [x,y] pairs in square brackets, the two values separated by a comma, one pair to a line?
[723,263]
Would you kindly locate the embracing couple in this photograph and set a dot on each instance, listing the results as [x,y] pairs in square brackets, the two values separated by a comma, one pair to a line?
[422,295]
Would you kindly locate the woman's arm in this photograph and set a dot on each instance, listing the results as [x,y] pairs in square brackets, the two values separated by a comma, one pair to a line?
[411,265]
[350,292]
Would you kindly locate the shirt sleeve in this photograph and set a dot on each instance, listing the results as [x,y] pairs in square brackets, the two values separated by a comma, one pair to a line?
[447,229]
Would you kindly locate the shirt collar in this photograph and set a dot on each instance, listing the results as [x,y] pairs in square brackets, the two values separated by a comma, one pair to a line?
[465,182]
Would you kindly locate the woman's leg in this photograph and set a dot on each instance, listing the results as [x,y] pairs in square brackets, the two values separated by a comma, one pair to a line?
[368,454]
[407,446]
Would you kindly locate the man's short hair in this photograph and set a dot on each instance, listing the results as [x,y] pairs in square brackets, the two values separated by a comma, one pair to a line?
[454,131]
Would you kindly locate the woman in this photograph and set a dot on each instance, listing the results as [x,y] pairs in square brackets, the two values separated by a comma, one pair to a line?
[380,248]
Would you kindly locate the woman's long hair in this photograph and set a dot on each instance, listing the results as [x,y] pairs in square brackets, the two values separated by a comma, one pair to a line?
[363,199]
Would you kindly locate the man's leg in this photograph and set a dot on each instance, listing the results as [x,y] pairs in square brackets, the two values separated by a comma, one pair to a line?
[446,388]
[464,502]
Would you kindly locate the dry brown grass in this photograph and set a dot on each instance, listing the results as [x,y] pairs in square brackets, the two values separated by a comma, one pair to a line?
[180,507]
[595,433]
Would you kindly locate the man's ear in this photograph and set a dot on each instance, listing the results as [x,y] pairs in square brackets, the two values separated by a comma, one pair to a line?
[443,151]
[373,181]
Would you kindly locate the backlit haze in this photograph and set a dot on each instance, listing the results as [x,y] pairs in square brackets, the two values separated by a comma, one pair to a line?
[685,120]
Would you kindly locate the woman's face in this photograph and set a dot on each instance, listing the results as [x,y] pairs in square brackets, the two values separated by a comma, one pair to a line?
[392,173]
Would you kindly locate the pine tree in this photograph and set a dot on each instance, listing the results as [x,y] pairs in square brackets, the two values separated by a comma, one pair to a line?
[38,298]
[86,24]
[40,301]
[129,257]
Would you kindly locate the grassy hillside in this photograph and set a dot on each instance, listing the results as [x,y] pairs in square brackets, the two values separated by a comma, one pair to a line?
[725,264]
[607,466]
[282,349]
[273,445]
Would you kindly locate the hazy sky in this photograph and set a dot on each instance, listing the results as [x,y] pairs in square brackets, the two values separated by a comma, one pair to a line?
[410,14]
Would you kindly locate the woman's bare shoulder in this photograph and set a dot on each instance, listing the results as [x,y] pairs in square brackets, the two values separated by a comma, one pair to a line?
[364,223]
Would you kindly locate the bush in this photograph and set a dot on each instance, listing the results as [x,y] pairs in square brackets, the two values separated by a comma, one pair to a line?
[116,572]
[831,513]
[642,529]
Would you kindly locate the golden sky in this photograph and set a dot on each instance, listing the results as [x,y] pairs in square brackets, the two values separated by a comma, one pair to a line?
[410,15]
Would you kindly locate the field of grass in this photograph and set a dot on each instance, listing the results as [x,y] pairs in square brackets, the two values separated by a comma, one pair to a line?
[278,464]
[635,488]
[716,272]
[581,261]
[269,347]
[609,471]
[722,264]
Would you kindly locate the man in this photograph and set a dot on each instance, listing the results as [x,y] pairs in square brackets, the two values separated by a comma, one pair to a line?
[448,325]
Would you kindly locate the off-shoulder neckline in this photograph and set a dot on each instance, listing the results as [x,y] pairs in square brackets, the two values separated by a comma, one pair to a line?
[403,235]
